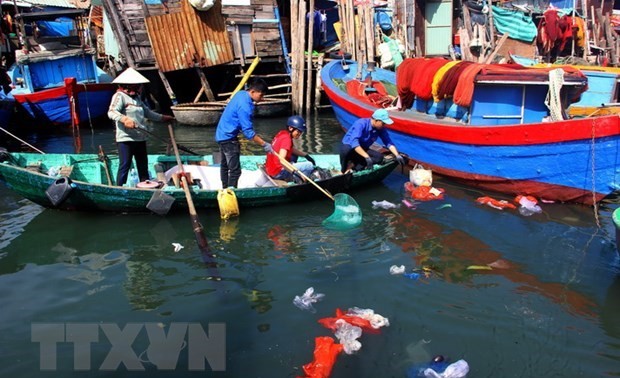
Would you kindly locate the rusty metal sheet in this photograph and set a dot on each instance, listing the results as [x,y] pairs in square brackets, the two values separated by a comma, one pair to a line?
[189,38]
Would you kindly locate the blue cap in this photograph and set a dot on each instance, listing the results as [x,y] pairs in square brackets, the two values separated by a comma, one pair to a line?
[382,115]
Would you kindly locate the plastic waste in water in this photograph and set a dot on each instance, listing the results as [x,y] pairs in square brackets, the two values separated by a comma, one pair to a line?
[412,276]
[384,205]
[376,320]
[307,299]
[528,207]
[397,269]
[133,178]
[459,369]
[348,334]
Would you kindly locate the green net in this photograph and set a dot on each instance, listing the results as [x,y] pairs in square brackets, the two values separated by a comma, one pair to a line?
[347,213]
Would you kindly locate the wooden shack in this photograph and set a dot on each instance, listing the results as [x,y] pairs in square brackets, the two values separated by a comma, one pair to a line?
[200,52]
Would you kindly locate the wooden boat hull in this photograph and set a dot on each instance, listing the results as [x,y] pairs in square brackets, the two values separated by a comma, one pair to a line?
[209,113]
[25,173]
[54,106]
[568,161]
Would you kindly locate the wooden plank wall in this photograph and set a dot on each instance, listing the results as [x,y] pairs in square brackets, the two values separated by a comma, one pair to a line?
[127,18]
[189,38]
[265,35]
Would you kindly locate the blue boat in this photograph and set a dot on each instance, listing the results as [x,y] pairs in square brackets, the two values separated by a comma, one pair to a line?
[56,78]
[601,97]
[503,142]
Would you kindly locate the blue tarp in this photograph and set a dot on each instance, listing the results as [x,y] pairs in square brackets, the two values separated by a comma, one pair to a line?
[59,28]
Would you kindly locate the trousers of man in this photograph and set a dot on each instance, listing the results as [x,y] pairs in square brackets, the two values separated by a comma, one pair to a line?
[128,151]
[348,154]
[230,167]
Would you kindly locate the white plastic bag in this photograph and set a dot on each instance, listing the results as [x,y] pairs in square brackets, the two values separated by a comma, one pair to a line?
[307,299]
[420,176]
[202,5]
[459,369]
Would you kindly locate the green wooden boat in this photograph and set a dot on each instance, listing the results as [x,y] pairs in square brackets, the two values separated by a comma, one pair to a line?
[80,181]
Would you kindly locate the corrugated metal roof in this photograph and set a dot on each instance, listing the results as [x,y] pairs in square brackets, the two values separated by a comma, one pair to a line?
[189,38]
[61,3]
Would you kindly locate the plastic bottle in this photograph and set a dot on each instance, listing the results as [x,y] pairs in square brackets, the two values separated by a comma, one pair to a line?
[133,178]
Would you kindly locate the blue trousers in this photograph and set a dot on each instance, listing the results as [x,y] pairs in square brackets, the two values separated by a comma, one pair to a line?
[128,151]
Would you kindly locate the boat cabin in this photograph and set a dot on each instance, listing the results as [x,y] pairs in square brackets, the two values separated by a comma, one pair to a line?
[55,46]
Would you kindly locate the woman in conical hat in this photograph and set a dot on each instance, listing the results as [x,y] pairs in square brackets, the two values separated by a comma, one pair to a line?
[129,113]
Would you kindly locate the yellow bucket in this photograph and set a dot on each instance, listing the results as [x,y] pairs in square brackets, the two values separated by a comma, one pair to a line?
[227,201]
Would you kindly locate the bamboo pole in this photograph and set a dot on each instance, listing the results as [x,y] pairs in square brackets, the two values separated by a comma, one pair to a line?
[301,55]
[294,48]
[317,89]
[370,33]
[309,59]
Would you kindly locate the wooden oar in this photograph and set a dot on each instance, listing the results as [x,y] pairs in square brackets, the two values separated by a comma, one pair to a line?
[197,226]
[104,160]
[291,167]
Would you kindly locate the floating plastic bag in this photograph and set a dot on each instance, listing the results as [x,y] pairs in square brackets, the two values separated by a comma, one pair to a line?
[438,364]
[412,276]
[376,321]
[348,334]
[330,323]
[384,205]
[420,176]
[529,205]
[424,193]
[496,204]
[325,353]
[307,299]
[397,269]
[346,215]
[459,369]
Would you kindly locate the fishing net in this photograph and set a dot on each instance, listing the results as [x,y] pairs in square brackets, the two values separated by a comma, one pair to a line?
[347,213]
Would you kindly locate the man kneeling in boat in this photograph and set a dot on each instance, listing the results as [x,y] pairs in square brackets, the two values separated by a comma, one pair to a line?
[355,152]
[283,146]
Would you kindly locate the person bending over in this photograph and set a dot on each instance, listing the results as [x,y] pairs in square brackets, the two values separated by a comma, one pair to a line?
[355,151]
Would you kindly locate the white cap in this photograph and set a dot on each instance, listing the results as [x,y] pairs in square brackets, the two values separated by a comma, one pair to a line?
[130,76]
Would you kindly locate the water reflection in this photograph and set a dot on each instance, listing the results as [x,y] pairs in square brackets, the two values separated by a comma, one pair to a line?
[452,254]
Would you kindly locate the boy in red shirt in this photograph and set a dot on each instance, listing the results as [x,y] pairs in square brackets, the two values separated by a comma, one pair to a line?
[283,145]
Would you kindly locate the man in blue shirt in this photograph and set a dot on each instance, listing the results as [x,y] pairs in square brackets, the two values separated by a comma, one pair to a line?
[355,152]
[236,119]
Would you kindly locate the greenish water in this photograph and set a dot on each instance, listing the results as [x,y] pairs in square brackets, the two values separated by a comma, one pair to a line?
[550,308]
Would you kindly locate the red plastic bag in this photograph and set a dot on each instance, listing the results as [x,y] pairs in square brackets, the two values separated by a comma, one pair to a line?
[423,193]
[496,204]
[364,324]
[325,353]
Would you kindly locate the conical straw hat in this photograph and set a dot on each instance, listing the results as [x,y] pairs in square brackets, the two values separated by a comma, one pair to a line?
[130,76]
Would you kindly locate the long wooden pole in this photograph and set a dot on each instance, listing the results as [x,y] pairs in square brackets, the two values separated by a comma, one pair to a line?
[196,225]
[309,57]
[291,167]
